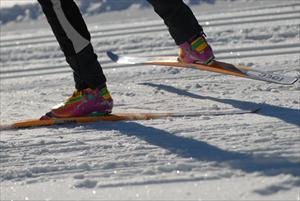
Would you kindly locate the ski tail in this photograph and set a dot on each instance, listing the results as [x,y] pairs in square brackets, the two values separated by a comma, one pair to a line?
[112,56]
[116,117]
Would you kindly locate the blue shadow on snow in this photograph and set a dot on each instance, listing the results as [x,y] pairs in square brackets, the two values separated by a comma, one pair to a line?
[288,115]
[202,151]
[198,150]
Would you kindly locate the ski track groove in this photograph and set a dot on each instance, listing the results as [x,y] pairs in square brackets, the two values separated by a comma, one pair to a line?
[138,31]
[158,23]
[292,48]
[268,50]
[155,28]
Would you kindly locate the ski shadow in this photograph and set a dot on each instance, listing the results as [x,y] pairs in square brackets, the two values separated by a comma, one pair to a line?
[288,115]
[201,151]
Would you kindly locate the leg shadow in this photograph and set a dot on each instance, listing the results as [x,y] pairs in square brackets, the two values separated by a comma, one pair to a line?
[288,115]
[201,151]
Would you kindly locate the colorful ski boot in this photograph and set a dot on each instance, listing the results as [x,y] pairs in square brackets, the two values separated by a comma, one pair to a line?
[87,102]
[196,50]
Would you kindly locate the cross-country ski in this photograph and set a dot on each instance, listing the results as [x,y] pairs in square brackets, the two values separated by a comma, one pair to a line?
[118,117]
[217,67]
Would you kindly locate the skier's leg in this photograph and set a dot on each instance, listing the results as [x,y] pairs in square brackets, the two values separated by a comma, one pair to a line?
[178,17]
[73,37]
[185,30]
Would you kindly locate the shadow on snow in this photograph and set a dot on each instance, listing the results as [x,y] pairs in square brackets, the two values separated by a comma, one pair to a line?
[202,151]
[288,115]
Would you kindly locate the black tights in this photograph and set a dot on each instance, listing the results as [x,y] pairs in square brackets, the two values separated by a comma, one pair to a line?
[74,38]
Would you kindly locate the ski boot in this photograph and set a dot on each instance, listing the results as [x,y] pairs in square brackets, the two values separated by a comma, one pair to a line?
[86,102]
[196,50]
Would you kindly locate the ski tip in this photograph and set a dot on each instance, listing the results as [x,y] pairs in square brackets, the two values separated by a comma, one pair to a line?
[112,56]
[289,81]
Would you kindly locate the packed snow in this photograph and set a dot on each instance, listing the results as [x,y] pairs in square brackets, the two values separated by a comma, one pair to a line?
[229,157]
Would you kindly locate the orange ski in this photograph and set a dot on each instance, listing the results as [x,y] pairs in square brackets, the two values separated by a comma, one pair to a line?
[115,117]
[217,67]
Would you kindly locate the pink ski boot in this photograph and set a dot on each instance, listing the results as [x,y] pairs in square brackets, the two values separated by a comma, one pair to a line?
[196,50]
[87,102]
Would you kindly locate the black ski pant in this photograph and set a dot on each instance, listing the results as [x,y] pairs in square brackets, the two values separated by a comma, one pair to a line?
[74,38]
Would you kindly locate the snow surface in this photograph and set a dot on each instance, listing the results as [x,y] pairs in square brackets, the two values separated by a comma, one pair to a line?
[239,157]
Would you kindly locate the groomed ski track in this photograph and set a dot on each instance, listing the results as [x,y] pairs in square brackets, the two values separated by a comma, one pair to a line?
[230,23]
[250,156]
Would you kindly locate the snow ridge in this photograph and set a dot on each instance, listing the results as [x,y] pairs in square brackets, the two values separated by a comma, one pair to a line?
[28,12]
